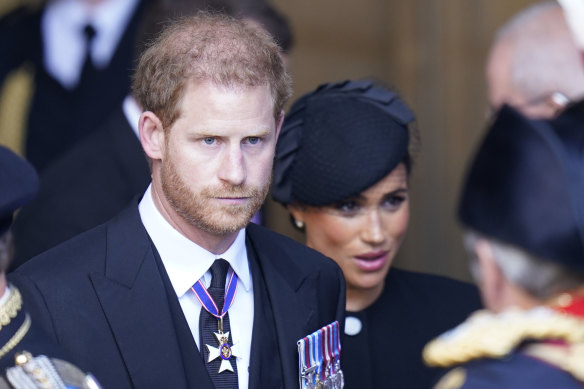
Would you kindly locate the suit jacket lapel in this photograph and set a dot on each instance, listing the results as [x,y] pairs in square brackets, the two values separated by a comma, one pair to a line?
[134,301]
[265,363]
[289,294]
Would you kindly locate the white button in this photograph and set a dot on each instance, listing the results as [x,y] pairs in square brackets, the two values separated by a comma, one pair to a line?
[352,325]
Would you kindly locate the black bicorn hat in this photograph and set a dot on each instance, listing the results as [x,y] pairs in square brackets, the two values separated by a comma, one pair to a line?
[525,186]
[19,184]
[339,140]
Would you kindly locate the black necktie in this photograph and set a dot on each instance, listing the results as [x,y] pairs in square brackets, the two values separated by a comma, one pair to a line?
[208,326]
[88,70]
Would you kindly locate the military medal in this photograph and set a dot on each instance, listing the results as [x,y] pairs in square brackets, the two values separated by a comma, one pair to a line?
[225,351]
[319,359]
[307,370]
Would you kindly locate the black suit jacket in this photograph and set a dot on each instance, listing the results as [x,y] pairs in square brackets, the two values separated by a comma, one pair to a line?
[102,297]
[88,186]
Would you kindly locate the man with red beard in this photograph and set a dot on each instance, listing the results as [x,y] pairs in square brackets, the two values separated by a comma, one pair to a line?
[179,291]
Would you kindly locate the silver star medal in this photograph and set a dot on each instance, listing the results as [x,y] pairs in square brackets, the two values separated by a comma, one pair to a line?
[224,351]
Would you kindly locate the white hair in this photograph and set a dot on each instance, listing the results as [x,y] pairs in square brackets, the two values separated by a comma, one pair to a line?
[545,57]
[540,278]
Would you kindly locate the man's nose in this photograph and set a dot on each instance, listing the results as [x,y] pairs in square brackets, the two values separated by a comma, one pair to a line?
[233,170]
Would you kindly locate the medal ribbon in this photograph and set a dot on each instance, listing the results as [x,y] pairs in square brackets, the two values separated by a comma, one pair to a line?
[316,353]
[335,344]
[323,356]
[301,361]
[327,348]
[312,351]
[319,356]
[337,341]
[207,301]
[309,364]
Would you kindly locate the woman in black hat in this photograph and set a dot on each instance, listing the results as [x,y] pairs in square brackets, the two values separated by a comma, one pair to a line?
[342,168]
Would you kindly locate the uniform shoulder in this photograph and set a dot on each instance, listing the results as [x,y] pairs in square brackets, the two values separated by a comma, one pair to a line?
[515,371]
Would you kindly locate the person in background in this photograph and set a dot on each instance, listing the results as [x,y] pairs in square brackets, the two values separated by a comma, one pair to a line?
[28,359]
[79,55]
[342,170]
[271,19]
[522,211]
[534,63]
[180,290]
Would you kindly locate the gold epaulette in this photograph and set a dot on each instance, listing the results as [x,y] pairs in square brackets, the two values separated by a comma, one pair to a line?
[489,335]
[569,359]
[9,309]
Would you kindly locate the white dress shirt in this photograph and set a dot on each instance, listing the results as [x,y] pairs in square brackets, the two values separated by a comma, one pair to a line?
[186,263]
[132,112]
[62,27]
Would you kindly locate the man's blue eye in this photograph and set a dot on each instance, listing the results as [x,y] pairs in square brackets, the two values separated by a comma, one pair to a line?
[209,140]
[253,140]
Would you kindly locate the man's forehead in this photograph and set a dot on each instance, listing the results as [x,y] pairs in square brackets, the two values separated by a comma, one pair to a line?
[227,85]
[499,65]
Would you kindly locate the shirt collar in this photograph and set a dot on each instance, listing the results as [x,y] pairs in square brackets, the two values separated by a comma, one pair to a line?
[110,18]
[64,20]
[185,261]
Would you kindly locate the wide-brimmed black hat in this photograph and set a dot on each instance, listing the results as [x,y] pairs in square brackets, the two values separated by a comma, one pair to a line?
[525,186]
[18,185]
[338,141]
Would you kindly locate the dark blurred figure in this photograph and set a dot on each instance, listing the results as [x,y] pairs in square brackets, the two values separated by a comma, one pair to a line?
[24,349]
[80,53]
[534,64]
[97,178]
[522,209]
[270,18]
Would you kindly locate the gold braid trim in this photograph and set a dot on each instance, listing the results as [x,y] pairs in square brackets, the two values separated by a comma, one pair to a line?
[454,379]
[16,338]
[10,308]
[569,359]
[489,335]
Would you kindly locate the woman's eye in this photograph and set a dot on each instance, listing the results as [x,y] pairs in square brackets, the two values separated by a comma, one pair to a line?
[394,201]
[347,207]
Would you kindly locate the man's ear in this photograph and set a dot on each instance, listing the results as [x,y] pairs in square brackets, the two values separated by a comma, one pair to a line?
[492,282]
[279,124]
[151,135]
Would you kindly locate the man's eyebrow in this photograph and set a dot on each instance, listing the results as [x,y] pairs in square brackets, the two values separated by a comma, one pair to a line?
[262,132]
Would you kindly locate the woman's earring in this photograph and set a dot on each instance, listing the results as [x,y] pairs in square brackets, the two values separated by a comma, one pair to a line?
[299,224]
